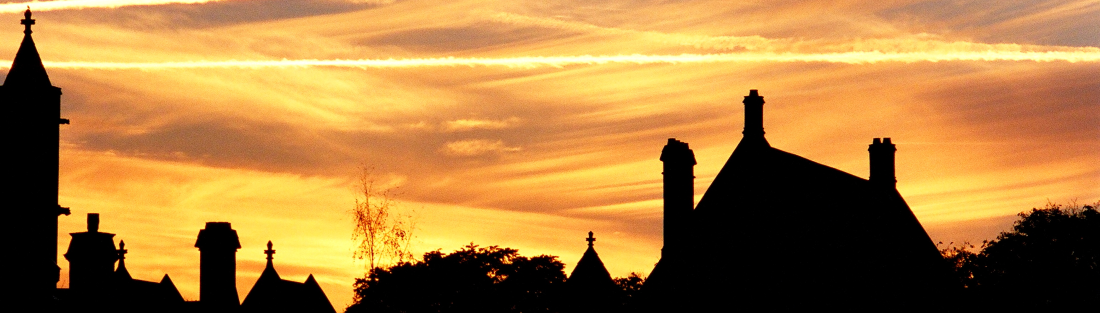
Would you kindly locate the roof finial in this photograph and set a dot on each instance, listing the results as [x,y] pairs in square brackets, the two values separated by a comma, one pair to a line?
[269,252]
[27,20]
[122,250]
[590,239]
[121,271]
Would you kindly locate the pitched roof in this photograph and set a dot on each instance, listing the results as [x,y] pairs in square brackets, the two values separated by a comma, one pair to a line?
[271,293]
[774,225]
[590,287]
[26,69]
[590,270]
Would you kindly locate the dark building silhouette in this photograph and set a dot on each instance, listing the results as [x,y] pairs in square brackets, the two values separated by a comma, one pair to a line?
[776,231]
[589,287]
[92,257]
[33,108]
[95,283]
[271,293]
[218,245]
[134,295]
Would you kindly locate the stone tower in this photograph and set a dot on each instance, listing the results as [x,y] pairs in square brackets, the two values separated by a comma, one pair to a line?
[33,106]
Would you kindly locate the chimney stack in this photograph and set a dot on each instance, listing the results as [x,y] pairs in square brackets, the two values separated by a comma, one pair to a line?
[754,115]
[218,245]
[679,193]
[882,162]
[93,222]
[91,257]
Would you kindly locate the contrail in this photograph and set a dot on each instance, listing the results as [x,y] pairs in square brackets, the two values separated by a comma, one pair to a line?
[87,4]
[900,44]
[563,61]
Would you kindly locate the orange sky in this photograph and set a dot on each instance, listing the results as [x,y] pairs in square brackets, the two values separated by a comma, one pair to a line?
[526,124]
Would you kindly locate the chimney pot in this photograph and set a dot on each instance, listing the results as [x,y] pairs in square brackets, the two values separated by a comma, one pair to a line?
[754,115]
[93,222]
[882,153]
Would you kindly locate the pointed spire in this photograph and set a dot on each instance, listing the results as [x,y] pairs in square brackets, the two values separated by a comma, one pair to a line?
[121,272]
[26,69]
[269,272]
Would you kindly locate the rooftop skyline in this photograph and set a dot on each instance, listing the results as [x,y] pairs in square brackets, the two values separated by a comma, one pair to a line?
[526,125]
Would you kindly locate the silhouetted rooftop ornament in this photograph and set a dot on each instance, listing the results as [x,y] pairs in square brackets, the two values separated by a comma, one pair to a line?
[590,287]
[271,293]
[27,20]
[121,272]
[26,68]
[270,254]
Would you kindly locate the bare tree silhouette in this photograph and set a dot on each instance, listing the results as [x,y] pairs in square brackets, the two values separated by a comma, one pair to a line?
[384,231]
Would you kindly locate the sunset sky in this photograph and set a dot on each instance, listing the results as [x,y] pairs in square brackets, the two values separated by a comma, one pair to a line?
[526,124]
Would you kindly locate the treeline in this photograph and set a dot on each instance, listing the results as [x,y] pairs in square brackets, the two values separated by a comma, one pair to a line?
[475,279]
[1047,262]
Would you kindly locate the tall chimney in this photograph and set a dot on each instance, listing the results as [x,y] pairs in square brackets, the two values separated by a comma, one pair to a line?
[679,187]
[91,257]
[754,115]
[218,245]
[882,162]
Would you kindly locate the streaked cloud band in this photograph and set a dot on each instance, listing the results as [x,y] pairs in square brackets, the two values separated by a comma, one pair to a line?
[562,61]
[88,4]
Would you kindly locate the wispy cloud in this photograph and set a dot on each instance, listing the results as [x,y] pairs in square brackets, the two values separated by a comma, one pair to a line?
[898,43]
[472,124]
[1084,55]
[88,4]
[476,147]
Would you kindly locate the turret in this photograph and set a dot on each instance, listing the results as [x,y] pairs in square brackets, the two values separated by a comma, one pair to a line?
[32,107]
[679,193]
[218,245]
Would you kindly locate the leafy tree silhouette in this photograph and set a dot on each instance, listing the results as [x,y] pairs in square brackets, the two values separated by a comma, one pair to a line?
[1047,262]
[471,279]
[631,287]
